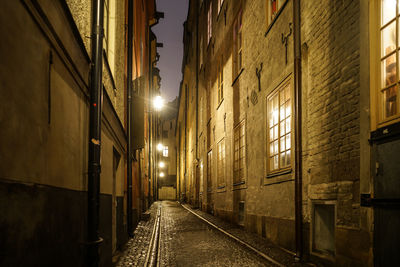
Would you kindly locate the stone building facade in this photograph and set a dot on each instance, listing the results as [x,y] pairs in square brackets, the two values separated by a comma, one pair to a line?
[44,128]
[257,132]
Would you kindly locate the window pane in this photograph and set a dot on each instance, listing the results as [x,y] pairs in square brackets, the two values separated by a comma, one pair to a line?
[390,100]
[288,109]
[389,70]
[276,132]
[283,159]
[388,39]
[388,11]
[282,114]
[271,134]
[282,144]
[276,147]
[271,164]
[287,125]
[288,157]
[276,165]
[283,128]
[271,149]
[288,145]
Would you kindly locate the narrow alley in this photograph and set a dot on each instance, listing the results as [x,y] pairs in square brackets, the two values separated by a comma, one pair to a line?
[199,133]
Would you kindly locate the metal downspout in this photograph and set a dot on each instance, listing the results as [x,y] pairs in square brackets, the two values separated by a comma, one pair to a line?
[298,128]
[129,115]
[94,168]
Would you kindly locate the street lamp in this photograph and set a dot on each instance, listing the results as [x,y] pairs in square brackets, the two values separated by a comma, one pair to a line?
[158,103]
[162,174]
[160,147]
[161,164]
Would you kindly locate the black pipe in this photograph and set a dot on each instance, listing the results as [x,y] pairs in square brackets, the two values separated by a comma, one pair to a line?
[94,168]
[298,133]
[129,115]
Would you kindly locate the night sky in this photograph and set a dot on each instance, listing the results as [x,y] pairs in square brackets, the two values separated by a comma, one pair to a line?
[170,32]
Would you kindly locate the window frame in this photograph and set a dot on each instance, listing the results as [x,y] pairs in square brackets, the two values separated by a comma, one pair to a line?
[221,163]
[286,83]
[238,45]
[165,152]
[209,170]
[209,23]
[220,80]
[238,129]
[377,88]
[271,21]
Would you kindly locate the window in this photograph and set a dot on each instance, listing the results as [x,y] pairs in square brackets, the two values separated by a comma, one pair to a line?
[209,23]
[273,7]
[239,163]
[220,2]
[106,25]
[279,128]
[388,102]
[165,151]
[165,134]
[220,74]
[221,163]
[209,171]
[237,42]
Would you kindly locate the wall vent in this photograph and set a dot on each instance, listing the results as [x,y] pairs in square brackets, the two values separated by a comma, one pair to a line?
[323,239]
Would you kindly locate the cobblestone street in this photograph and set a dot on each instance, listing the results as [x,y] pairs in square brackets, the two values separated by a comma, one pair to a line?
[186,240]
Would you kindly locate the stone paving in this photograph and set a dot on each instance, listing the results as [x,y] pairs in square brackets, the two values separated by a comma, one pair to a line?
[186,240]
[256,241]
[136,248]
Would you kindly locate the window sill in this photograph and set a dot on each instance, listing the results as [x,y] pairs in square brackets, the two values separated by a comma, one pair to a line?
[222,100]
[237,77]
[276,17]
[239,186]
[279,177]
[221,189]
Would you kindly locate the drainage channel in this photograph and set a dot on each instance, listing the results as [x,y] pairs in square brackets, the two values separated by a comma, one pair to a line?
[153,253]
[260,253]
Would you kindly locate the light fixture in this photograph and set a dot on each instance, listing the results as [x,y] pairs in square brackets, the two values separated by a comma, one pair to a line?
[160,147]
[162,174]
[161,164]
[158,103]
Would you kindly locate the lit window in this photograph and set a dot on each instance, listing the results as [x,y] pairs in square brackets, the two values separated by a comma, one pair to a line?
[279,128]
[221,163]
[388,89]
[165,151]
[239,164]
[273,7]
[209,171]
[220,2]
[220,80]
[238,43]
[209,23]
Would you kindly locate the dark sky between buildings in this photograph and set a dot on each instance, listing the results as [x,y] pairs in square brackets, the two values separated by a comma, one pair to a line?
[170,32]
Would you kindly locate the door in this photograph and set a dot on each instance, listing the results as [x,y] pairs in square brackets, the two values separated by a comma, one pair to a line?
[386,202]
[116,158]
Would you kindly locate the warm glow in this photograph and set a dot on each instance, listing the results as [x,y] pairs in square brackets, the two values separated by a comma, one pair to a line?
[160,147]
[158,103]
[162,174]
[161,164]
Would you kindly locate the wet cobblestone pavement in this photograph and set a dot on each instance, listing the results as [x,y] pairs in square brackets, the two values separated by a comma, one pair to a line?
[188,241]
[135,251]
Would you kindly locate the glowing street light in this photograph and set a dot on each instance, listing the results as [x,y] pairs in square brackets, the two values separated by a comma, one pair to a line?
[158,103]
[161,164]
[162,174]
[160,147]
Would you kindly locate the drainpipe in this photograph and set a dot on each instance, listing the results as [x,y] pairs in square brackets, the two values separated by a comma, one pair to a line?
[129,117]
[94,168]
[298,128]
[197,105]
